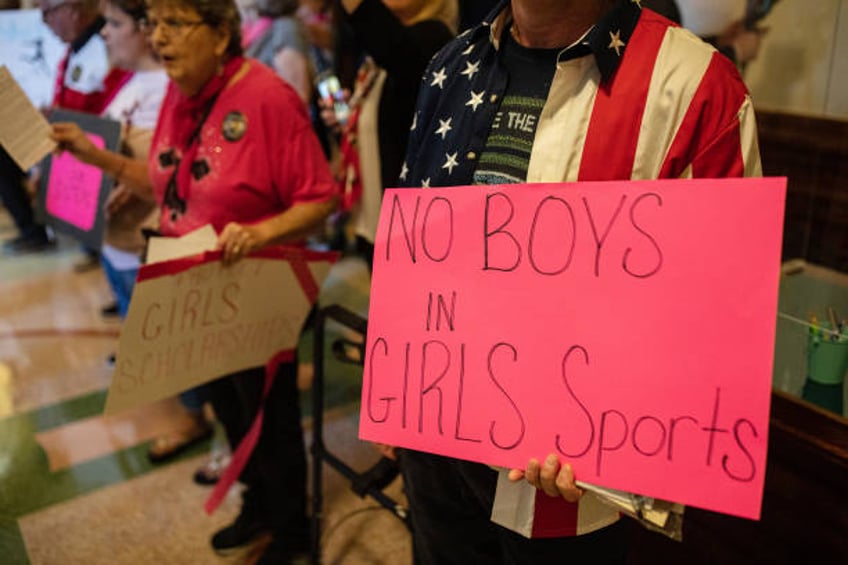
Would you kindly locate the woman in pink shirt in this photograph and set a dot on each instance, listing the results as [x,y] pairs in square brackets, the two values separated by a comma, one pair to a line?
[233,148]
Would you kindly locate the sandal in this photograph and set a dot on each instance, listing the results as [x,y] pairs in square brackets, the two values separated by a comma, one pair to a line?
[169,446]
[212,471]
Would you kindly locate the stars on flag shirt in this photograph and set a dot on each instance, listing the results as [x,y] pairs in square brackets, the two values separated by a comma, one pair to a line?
[644,99]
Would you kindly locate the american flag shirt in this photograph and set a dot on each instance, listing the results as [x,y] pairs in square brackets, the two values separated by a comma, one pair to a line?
[648,100]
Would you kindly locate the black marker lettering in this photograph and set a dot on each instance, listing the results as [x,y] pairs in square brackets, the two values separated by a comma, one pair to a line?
[457,435]
[405,397]
[424,238]
[530,245]
[449,313]
[429,311]
[750,476]
[585,450]
[408,235]
[490,365]
[660,443]
[713,429]
[671,427]
[499,231]
[387,400]
[602,429]
[599,241]
[434,385]
[656,269]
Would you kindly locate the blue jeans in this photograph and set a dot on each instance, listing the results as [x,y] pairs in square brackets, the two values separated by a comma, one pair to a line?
[122,283]
[194,398]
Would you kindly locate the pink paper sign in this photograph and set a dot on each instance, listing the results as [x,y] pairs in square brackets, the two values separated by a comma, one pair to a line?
[627,327]
[73,190]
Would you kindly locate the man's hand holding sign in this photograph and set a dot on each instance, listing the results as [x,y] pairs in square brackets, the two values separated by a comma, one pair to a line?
[627,328]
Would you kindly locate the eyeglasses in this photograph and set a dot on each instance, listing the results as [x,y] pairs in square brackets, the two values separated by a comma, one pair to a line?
[169,26]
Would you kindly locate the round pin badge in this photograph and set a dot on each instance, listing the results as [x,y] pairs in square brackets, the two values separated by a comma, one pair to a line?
[234,126]
[76,73]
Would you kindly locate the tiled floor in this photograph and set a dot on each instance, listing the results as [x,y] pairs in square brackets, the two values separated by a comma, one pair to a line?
[77,488]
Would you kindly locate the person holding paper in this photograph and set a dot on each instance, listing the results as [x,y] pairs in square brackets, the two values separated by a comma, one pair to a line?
[559,91]
[234,148]
[85,81]
[32,236]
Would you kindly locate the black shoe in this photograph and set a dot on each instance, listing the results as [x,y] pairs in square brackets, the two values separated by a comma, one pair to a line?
[28,244]
[110,310]
[279,553]
[247,530]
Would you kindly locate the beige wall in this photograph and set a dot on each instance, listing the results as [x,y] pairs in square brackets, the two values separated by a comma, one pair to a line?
[803,64]
[837,99]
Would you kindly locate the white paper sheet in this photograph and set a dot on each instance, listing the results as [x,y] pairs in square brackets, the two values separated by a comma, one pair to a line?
[24,132]
[166,248]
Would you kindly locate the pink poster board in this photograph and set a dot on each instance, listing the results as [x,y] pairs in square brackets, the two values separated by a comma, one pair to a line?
[626,326]
[73,189]
[71,195]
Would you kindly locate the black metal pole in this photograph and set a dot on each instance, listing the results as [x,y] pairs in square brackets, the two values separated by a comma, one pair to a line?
[317,434]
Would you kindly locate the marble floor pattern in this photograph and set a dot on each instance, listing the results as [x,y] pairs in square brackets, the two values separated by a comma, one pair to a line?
[77,488]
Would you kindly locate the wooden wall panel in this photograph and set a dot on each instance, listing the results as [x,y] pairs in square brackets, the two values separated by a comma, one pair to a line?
[813,154]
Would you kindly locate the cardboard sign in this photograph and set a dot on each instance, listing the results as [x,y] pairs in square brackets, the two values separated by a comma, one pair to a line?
[194,320]
[72,195]
[627,327]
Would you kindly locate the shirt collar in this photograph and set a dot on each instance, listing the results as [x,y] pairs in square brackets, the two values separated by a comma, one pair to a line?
[87,34]
[611,35]
[607,39]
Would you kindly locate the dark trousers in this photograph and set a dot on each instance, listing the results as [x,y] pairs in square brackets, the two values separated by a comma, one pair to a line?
[450,503]
[14,196]
[275,475]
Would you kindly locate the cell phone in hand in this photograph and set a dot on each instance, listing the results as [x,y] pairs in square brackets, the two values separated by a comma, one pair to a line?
[330,90]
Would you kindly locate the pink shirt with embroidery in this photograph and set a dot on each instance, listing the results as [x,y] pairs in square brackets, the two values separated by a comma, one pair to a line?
[268,161]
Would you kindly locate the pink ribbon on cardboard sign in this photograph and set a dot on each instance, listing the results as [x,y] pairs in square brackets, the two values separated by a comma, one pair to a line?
[248,443]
